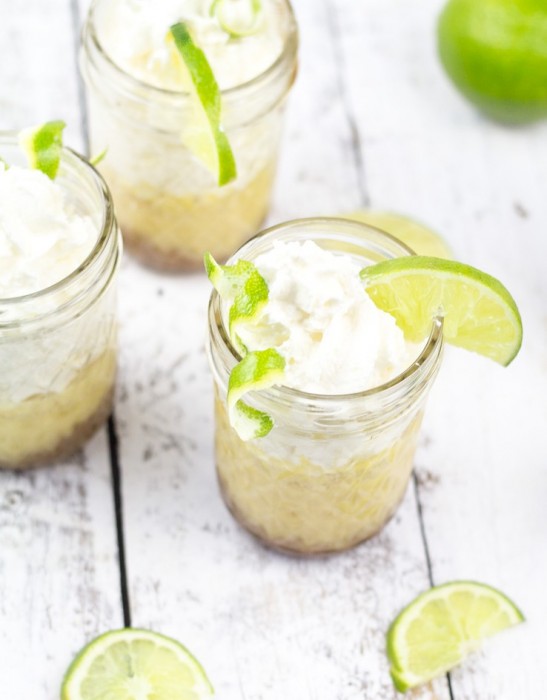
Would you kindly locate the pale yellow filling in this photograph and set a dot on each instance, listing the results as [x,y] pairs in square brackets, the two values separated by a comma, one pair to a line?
[305,507]
[45,426]
[174,232]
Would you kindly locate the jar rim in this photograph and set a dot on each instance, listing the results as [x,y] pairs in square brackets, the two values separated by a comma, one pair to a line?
[432,345]
[107,224]
[289,50]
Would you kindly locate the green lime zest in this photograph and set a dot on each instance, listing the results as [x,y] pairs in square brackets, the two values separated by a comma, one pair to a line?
[479,313]
[238,18]
[442,626]
[95,160]
[133,664]
[244,286]
[205,134]
[259,369]
[43,146]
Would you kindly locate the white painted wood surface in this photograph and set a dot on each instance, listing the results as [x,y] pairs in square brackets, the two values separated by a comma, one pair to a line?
[372,118]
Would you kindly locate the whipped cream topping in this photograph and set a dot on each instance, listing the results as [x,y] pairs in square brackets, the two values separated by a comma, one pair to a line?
[319,317]
[133,33]
[42,236]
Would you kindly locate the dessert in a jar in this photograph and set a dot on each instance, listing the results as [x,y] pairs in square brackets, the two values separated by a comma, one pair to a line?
[317,458]
[166,148]
[59,254]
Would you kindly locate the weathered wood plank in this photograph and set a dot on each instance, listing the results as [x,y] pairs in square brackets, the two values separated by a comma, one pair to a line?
[59,579]
[264,626]
[482,466]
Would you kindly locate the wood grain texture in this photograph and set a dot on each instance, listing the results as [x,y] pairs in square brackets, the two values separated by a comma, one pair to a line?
[59,578]
[482,466]
[264,626]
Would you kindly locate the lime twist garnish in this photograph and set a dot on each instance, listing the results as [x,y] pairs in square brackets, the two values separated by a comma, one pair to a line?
[204,134]
[131,664]
[479,314]
[95,160]
[43,146]
[443,626]
[246,290]
[238,18]
[421,239]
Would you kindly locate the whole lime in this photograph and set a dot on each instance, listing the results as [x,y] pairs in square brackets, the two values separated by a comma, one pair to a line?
[495,51]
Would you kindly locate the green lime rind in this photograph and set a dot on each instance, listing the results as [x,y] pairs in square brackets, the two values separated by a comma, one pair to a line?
[95,160]
[231,25]
[479,313]
[243,286]
[494,53]
[258,370]
[442,626]
[208,95]
[94,667]
[43,146]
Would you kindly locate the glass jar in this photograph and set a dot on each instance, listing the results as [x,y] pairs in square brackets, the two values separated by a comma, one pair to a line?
[334,469]
[168,203]
[58,345]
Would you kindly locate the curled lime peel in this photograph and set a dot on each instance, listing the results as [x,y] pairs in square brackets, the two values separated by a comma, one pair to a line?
[237,29]
[95,160]
[258,370]
[205,136]
[43,145]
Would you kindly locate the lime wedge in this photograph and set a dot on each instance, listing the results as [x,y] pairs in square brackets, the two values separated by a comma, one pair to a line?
[442,626]
[43,145]
[244,286]
[132,664]
[238,18]
[479,313]
[421,239]
[258,370]
[204,134]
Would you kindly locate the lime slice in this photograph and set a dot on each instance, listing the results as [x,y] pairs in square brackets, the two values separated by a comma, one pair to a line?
[421,239]
[442,626]
[258,370]
[238,18]
[132,664]
[43,145]
[204,134]
[95,160]
[244,286]
[479,313]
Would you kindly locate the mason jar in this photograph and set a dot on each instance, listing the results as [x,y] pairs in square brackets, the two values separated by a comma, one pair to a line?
[58,344]
[168,203]
[334,468]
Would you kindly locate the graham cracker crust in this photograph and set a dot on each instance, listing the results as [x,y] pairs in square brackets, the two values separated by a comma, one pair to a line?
[151,257]
[81,433]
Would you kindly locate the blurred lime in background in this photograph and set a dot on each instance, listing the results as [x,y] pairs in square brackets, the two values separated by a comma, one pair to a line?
[495,51]
[421,239]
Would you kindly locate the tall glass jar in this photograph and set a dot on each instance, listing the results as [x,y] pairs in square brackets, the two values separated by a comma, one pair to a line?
[58,345]
[170,208]
[334,469]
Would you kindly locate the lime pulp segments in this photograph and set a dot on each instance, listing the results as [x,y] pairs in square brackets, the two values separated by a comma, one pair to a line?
[205,135]
[479,314]
[238,24]
[131,664]
[442,626]
[43,146]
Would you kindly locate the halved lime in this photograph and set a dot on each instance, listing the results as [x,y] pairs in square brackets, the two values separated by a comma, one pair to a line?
[204,134]
[238,18]
[43,145]
[421,239]
[442,626]
[132,664]
[479,313]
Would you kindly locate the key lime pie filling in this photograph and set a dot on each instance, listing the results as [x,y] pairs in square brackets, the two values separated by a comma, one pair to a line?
[59,253]
[163,161]
[337,428]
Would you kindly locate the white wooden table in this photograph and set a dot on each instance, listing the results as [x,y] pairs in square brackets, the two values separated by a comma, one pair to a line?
[133,531]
